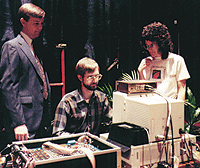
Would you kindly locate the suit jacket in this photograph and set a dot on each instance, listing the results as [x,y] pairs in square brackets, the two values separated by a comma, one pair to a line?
[22,86]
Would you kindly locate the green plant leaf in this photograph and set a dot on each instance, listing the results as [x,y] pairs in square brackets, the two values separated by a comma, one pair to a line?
[126,77]
[187,128]
[134,76]
[191,97]
[196,122]
[108,90]
[100,88]
[197,112]
[192,113]
[187,103]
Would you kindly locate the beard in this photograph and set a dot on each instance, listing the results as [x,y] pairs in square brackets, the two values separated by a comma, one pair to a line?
[91,87]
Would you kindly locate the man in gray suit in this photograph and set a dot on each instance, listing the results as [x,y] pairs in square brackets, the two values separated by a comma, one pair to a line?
[23,81]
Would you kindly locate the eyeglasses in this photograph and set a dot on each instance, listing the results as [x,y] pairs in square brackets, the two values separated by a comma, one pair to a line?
[150,46]
[98,77]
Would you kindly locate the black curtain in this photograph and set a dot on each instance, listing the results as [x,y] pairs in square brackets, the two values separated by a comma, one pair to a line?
[105,30]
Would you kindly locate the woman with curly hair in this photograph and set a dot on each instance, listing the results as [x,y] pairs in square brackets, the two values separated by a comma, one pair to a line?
[166,68]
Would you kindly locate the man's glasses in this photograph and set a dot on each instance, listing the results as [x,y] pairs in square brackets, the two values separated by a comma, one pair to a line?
[98,77]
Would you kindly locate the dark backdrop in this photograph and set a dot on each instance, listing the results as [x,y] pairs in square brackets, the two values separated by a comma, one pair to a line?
[105,30]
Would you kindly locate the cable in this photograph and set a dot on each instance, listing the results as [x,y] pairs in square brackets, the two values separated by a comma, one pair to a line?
[8,146]
[197,146]
[191,151]
[168,121]
[149,146]
[189,156]
[172,141]
[197,157]
[150,88]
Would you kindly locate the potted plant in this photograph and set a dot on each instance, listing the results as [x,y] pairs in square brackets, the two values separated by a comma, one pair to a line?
[191,114]
[108,90]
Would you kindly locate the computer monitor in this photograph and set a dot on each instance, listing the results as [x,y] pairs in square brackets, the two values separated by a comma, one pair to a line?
[148,110]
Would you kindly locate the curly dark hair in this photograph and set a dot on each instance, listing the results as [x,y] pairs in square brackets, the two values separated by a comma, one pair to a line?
[159,33]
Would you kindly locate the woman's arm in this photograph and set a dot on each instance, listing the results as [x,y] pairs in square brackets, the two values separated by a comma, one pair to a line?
[181,88]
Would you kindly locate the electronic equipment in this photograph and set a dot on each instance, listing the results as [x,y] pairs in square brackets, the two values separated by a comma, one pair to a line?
[148,110]
[134,86]
[150,154]
[125,134]
[106,154]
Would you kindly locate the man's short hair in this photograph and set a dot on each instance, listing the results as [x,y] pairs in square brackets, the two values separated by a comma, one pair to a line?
[86,65]
[29,9]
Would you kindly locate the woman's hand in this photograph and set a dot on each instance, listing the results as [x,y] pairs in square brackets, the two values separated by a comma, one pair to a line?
[144,63]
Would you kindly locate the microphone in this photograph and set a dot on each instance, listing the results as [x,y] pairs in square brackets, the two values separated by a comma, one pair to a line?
[113,64]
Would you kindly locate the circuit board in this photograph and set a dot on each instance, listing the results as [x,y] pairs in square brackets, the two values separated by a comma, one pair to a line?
[44,154]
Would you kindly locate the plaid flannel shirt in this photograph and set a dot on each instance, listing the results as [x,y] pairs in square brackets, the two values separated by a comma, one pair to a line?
[74,115]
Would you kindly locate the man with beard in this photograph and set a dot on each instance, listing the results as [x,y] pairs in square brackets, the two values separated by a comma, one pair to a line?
[85,109]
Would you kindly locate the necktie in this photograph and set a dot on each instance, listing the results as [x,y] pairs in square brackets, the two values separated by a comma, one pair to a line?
[45,93]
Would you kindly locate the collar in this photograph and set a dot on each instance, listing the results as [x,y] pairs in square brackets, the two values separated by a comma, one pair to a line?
[78,95]
[157,58]
[26,38]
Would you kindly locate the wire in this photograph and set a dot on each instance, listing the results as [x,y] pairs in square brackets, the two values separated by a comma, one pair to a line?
[184,150]
[197,157]
[168,122]
[150,88]
[172,141]
[190,150]
[8,146]
[149,146]
[187,148]
[191,144]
